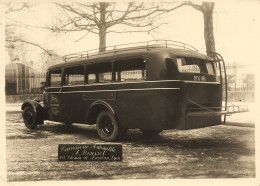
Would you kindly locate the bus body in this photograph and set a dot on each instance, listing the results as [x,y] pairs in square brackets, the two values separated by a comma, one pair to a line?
[152,89]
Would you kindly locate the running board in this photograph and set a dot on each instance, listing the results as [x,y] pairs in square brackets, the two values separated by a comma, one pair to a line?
[215,111]
[207,113]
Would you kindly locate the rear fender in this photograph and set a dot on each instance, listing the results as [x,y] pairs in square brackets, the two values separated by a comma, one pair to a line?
[95,108]
[38,109]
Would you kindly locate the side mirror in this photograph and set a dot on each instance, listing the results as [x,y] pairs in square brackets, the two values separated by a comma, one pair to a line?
[43,83]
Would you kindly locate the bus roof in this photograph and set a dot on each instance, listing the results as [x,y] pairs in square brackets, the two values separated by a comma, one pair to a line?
[132,52]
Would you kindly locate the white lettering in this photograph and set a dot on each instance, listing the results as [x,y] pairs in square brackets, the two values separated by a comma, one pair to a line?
[199,78]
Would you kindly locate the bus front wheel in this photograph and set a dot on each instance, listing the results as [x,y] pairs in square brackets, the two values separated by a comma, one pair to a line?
[29,117]
[107,127]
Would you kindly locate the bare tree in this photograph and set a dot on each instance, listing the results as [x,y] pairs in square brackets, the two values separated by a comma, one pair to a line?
[14,7]
[207,10]
[47,60]
[11,38]
[104,17]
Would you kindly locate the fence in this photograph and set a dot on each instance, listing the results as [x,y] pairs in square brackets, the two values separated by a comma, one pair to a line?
[32,84]
[239,77]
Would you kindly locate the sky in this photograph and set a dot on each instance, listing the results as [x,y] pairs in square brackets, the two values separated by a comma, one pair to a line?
[236,30]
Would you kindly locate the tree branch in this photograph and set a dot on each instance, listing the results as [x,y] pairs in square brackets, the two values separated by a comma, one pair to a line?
[31,43]
[195,6]
[133,31]
[11,8]
[114,22]
[82,14]
[82,37]
[155,12]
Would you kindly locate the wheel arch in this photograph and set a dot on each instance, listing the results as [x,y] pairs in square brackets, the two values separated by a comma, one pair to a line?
[33,104]
[95,108]
[38,109]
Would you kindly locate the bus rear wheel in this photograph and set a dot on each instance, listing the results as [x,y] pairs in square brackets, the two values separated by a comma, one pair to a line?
[107,127]
[29,117]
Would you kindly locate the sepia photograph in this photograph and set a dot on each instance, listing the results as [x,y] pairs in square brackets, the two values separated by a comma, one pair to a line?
[157,92]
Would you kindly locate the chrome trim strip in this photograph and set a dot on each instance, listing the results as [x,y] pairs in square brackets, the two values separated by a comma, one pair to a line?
[202,82]
[117,90]
[116,83]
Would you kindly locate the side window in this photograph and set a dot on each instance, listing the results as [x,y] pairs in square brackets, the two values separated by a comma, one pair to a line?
[185,66]
[130,70]
[92,78]
[74,75]
[132,75]
[195,65]
[99,72]
[55,78]
[105,77]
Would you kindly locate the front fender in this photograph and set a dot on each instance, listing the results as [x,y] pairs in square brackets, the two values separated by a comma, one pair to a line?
[38,109]
[35,105]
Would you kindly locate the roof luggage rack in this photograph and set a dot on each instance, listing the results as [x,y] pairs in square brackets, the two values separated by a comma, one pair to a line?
[131,46]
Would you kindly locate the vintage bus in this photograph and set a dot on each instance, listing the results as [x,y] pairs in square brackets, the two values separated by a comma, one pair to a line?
[152,87]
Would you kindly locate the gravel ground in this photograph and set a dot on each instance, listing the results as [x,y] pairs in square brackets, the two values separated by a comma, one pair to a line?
[222,151]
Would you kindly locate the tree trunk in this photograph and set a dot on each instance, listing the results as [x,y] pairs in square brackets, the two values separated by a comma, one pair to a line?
[207,10]
[102,39]
[102,27]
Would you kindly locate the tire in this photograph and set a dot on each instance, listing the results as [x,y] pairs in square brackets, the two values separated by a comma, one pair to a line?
[107,127]
[150,132]
[29,117]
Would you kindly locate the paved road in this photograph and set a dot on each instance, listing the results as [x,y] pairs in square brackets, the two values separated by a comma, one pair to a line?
[215,152]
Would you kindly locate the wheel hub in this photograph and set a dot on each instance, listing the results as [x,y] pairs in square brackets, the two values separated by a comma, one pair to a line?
[29,117]
[107,126]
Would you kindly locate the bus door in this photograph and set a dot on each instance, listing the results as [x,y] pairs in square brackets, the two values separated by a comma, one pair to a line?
[74,78]
[54,98]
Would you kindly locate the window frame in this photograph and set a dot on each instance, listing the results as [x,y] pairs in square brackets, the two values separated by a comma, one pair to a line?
[97,73]
[200,68]
[75,66]
[118,75]
[49,77]
[114,77]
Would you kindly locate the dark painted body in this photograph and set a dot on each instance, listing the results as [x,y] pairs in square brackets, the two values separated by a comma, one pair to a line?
[160,102]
